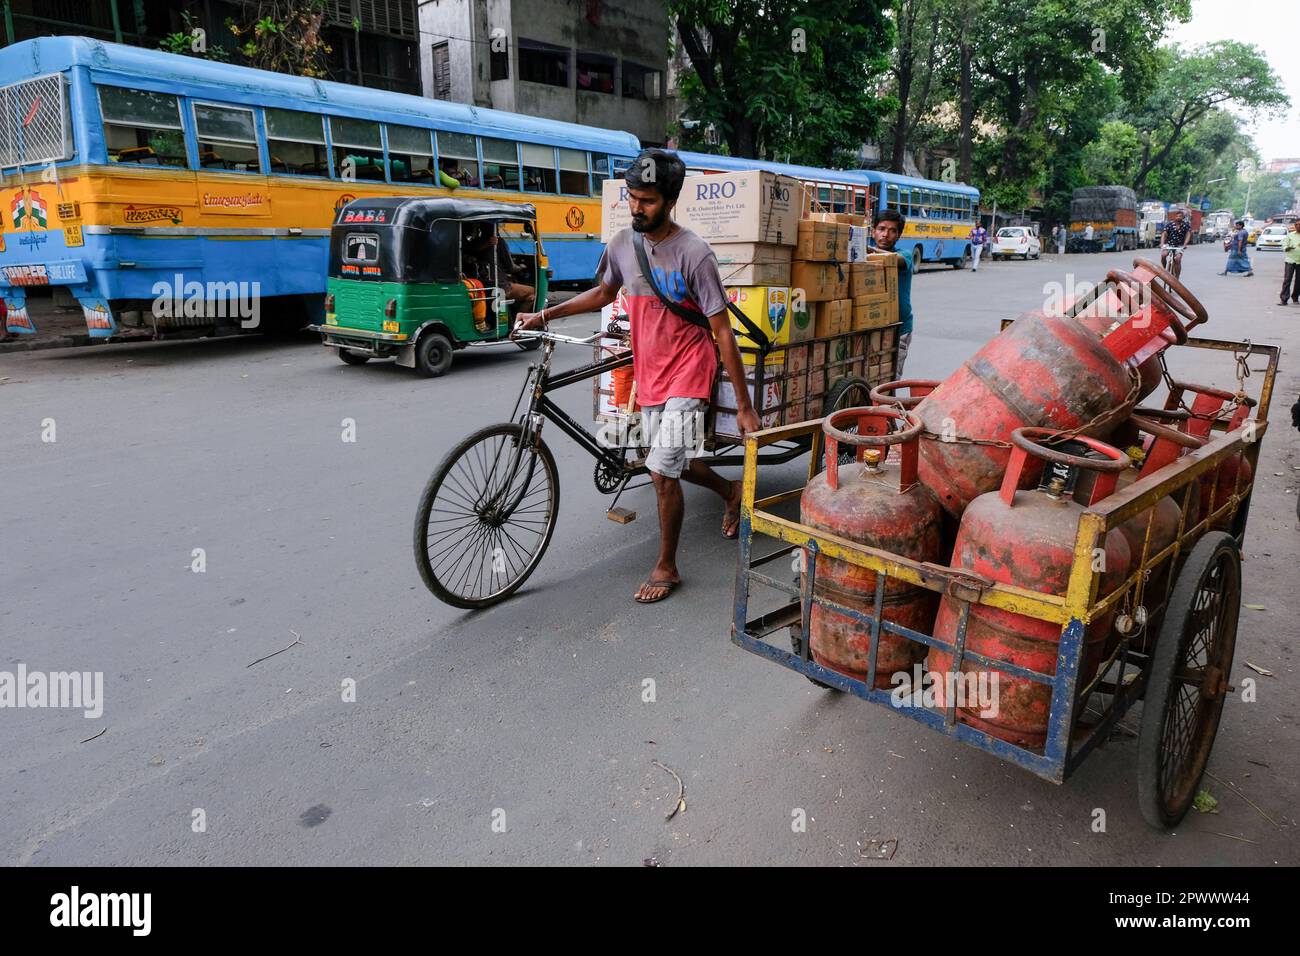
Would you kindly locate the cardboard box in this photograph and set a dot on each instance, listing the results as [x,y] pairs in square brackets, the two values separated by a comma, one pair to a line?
[796,359]
[874,315]
[847,218]
[888,259]
[820,281]
[822,241]
[868,279]
[724,401]
[832,318]
[753,263]
[749,206]
[859,243]
[769,308]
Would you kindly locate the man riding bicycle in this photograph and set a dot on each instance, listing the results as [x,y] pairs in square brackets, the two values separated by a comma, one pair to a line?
[1177,234]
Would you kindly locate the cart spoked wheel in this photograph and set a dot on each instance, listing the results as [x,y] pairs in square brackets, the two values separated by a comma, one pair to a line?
[1189,679]
[486,517]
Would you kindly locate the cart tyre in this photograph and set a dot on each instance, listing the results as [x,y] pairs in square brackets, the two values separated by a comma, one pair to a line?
[433,353]
[1169,768]
[504,436]
[348,357]
[796,645]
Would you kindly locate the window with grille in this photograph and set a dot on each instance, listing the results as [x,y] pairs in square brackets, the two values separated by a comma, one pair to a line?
[35,127]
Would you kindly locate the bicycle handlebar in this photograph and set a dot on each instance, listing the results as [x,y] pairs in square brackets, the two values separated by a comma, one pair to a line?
[545,336]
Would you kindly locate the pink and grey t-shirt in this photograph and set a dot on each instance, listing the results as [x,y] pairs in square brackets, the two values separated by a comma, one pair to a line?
[671,358]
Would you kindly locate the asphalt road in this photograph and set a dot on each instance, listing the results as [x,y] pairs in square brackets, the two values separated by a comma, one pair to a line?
[529,716]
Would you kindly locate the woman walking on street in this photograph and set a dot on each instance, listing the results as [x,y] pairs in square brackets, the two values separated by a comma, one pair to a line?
[1238,261]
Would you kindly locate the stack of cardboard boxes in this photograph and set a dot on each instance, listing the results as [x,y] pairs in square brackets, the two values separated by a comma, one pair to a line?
[793,277]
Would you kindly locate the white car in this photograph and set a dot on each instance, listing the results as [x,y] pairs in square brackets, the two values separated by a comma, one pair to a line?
[1271,237]
[1016,241]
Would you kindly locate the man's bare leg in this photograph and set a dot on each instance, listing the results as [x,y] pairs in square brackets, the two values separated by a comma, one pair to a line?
[698,473]
[671,506]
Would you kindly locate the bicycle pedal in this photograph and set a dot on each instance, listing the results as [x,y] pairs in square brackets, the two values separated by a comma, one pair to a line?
[621,515]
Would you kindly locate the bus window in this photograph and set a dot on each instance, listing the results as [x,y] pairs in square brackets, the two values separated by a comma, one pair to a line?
[227,137]
[599,173]
[142,127]
[500,164]
[296,142]
[823,198]
[891,197]
[573,172]
[539,168]
[859,202]
[358,153]
[840,201]
[458,158]
[410,155]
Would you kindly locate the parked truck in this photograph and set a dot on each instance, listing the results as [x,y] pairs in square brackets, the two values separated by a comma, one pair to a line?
[1111,211]
[1218,224]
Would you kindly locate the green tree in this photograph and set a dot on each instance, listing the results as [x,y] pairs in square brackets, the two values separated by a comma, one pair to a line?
[1112,157]
[792,79]
[284,36]
[1033,55]
[1189,86]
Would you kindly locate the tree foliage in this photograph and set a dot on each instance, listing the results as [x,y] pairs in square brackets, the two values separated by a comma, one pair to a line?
[785,79]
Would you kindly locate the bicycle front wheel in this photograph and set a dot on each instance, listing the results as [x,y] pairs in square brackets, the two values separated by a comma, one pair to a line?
[486,517]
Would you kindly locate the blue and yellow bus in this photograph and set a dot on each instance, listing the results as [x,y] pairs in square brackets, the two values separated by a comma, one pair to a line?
[131,177]
[939,215]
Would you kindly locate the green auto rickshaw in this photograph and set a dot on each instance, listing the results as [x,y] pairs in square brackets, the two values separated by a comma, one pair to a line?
[419,278]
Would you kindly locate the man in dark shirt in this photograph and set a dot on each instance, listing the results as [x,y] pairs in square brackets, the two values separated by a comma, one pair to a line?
[1177,234]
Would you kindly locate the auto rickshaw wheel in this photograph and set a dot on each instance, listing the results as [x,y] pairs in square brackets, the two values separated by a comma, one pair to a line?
[353,358]
[1188,682]
[433,354]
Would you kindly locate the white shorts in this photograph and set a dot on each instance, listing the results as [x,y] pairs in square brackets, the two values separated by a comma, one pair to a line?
[674,431]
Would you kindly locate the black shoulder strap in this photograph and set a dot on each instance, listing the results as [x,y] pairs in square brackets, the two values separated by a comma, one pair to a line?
[691,315]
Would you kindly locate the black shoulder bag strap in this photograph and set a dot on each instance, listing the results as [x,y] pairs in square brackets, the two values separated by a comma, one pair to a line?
[691,315]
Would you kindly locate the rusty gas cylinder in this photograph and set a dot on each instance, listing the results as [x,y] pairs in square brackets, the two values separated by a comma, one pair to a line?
[879,503]
[1027,539]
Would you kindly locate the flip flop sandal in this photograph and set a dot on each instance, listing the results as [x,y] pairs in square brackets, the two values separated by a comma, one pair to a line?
[670,585]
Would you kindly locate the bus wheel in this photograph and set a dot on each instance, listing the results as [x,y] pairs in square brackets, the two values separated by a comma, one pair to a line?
[916,259]
[432,354]
[964,261]
[353,358]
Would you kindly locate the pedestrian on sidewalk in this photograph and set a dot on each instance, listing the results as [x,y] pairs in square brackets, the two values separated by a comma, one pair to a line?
[1058,236]
[1291,267]
[1238,260]
[979,236]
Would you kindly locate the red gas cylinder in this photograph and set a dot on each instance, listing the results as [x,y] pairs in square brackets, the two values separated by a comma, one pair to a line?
[1027,539]
[887,392]
[1235,474]
[1166,445]
[881,504]
[1040,371]
[1151,293]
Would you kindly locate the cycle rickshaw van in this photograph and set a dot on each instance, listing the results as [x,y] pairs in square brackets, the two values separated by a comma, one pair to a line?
[419,278]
